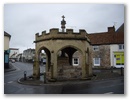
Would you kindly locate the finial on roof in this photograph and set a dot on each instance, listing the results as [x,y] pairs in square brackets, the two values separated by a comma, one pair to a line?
[63,22]
[63,16]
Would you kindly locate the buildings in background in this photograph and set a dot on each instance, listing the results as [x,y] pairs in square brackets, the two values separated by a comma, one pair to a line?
[42,58]
[28,55]
[117,48]
[13,53]
[108,48]
[19,57]
[7,38]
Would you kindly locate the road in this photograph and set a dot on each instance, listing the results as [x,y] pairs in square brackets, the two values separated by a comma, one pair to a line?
[11,86]
[20,68]
[111,86]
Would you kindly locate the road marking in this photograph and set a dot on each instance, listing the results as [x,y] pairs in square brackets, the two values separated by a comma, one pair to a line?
[109,93]
[10,82]
[16,67]
[12,73]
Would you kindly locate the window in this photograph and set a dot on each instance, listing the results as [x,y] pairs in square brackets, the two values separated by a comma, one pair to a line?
[95,48]
[96,61]
[121,46]
[75,61]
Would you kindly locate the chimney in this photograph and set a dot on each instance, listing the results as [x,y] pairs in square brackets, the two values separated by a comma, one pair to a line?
[111,29]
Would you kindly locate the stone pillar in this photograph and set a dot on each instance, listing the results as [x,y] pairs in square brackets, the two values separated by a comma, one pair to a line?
[52,67]
[55,66]
[84,66]
[36,71]
[34,68]
[52,63]
[90,63]
[46,68]
[62,53]
[87,62]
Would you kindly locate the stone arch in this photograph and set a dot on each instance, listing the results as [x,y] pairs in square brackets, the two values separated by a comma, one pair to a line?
[65,67]
[48,57]
[73,51]
[75,47]
[56,41]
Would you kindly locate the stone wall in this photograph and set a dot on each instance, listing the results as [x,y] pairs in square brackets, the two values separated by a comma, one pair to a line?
[104,54]
[55,34]
[67,71]
[77,54]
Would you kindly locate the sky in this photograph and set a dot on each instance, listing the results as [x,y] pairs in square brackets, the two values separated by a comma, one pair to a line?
[23,21]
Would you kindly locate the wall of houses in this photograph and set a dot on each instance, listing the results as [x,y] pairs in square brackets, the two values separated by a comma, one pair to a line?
[19,57]
[6,42]
[103,55]
[116,55]
[28,55]
[6,49]
[113,47]
[108,56]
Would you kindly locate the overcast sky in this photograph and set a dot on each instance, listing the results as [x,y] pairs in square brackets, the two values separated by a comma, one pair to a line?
[23,21]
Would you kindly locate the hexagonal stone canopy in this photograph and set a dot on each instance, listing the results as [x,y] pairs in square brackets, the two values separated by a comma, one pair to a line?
[60,48]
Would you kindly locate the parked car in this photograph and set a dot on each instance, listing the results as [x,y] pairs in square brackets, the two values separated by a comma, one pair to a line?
[12,60]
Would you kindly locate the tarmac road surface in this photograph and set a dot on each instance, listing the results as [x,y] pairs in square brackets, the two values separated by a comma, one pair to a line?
[11,86]
[111,86]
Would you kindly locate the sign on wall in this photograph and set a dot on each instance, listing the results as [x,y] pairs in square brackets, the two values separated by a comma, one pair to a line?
[119,56]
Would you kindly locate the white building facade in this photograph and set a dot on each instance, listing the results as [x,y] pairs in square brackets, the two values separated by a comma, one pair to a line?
[28,55]
[117,55]
[13,53]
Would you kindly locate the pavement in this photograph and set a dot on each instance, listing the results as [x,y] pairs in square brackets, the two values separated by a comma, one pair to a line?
[98,75]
